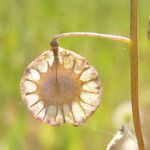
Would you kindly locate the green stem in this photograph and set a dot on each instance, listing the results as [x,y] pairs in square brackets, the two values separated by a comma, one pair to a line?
[134,74]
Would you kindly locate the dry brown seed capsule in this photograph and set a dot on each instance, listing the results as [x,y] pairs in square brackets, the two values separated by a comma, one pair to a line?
[62,88]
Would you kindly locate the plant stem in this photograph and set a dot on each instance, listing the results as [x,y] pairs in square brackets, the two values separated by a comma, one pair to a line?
[92,34]
[134,74]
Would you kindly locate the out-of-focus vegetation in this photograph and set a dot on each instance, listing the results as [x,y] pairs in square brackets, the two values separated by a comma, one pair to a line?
[26,28]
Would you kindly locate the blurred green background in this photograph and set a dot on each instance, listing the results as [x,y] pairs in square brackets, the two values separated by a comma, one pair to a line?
[27,27]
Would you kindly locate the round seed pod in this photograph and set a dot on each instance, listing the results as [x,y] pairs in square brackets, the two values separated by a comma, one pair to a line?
[61,88]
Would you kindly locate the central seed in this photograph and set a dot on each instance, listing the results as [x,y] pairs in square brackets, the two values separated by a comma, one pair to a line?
[59,88]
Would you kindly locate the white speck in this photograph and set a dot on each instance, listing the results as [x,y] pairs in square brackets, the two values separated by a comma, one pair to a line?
[87,108]
[78,112]
[92,86]
[50,58]
[51,113]
[68,61]
[41,114]
[29,86]
[31,99]
[33,75]
[59,117]
[89,74]
[80,65]
[37,108]
[43,67]
[90,98]
[68,114]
